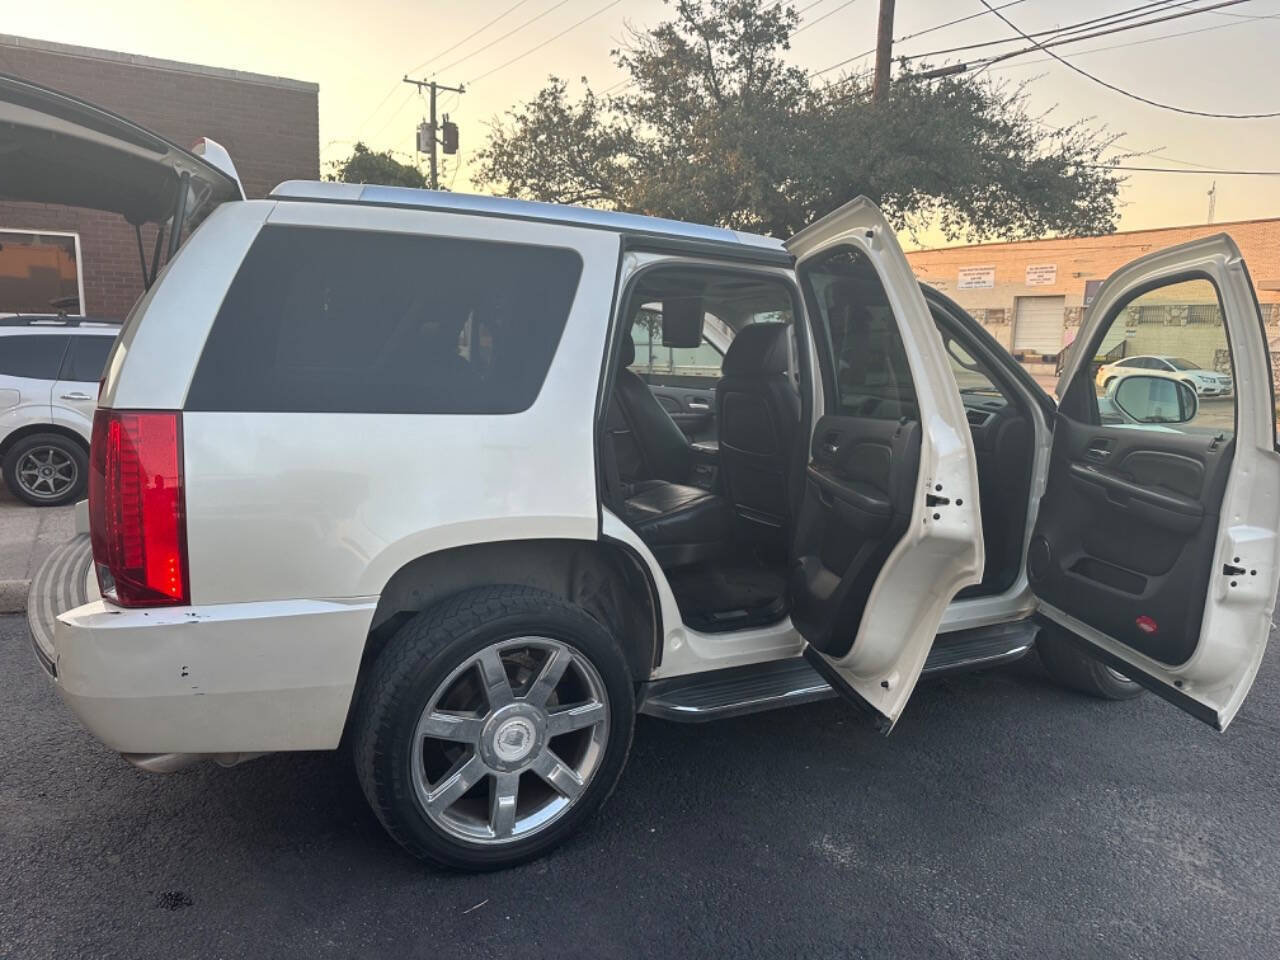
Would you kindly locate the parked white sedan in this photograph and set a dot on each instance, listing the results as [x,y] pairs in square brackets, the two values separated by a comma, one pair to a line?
[1206,383]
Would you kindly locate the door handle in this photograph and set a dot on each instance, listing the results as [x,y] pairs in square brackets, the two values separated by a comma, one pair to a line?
[1098,450]
[75,396]
[702,406]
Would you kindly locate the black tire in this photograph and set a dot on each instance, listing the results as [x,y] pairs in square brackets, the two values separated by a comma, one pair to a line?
[65,451]
[421,658]
[1078,671]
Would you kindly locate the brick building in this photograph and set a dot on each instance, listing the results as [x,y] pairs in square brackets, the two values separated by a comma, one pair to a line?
[88,260]
[1029,294]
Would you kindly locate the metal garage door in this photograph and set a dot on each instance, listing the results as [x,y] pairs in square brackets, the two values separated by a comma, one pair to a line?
[1038,324]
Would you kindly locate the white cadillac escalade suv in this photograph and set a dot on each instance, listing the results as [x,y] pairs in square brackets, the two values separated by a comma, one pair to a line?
[385,463]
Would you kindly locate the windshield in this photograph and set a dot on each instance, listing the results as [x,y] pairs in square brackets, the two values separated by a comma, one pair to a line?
[1180,364]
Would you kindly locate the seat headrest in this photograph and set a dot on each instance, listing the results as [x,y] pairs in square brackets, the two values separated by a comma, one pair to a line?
[628,351]
[759,348]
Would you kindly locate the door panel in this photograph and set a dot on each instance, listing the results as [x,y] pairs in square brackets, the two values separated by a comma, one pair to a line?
[889,528]
[1121,511]
[1156,543]
[860,487]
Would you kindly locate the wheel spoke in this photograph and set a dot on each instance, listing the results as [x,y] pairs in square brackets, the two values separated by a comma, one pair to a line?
[496,685]
[441,725]
[568,719]
[557,774]
[458,782]
[502,803]
[553,669]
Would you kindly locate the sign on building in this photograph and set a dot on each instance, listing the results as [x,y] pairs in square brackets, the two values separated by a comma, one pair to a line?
[1091,288]
[976,278]
[1042,274]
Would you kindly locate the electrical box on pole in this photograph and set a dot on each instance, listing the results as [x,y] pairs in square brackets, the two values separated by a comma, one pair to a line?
[449,136]
[427,139]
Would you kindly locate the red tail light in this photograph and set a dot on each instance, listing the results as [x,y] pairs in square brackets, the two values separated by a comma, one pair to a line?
[137,515]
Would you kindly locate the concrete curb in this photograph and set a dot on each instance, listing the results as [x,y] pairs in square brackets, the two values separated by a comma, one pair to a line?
[13,596]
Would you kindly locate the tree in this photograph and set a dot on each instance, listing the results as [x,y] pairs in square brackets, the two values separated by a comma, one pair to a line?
[366,166]
[716,127]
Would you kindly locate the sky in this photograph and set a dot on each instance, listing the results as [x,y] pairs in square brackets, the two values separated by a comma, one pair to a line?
[358,53]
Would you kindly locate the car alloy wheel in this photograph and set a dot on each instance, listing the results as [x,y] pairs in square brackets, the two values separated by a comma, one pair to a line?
[46,473]
[509,740]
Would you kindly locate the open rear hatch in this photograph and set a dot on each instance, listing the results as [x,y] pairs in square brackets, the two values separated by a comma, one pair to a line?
[55,148]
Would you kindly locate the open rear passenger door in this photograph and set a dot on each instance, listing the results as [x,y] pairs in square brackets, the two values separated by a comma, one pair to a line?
[1156,544]
[888,526]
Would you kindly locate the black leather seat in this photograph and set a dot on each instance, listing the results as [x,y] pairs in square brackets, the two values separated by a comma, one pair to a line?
[647,442]
[758,411]
[679,522]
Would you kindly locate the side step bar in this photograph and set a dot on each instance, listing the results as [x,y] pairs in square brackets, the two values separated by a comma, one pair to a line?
[782,683]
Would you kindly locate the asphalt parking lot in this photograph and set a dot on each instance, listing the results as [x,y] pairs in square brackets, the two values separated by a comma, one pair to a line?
[1003,818]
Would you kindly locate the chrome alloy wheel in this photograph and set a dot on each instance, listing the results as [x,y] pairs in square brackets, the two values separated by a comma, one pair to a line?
[510,740]
[47,473]
[1117,674]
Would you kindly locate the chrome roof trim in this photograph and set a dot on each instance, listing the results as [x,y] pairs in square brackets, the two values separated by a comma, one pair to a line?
[518,209]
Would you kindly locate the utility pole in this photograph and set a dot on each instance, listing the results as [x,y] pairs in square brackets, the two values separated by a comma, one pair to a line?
[1213,200]
[884,52]
[432,141]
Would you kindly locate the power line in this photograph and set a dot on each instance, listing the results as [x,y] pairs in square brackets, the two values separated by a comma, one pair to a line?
[1203,171]
[468,56]
[1110,20]
[814,23]
[537,47]
[912,36]
[450,49]
[1104,32]
[1126,93]
[1121,46]
[394,113]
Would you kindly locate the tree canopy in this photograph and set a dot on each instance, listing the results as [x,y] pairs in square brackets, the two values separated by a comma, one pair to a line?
[366,166]
[716,127]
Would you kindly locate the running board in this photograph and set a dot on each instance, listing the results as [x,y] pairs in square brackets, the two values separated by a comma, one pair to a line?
[717,694]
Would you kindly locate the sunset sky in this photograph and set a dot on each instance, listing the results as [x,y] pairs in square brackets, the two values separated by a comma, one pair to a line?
[358,52]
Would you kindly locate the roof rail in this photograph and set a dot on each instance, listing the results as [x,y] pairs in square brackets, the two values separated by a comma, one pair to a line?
[18,320]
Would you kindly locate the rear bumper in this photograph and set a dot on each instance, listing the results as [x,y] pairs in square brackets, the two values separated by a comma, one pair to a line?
[226,678]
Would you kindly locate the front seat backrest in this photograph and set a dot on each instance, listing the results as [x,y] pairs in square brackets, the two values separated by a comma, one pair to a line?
[758,410]
[649,445]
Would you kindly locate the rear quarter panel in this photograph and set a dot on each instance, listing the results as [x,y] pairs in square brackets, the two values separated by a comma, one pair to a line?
[321,505]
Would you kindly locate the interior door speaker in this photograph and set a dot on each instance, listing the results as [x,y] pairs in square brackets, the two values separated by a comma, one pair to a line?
[1039,558]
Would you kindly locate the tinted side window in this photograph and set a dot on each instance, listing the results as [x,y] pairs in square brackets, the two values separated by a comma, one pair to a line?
[87,358]
[37,356]
[865,359]
[354,321]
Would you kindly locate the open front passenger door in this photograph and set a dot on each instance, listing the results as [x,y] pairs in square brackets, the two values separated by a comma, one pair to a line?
[1156,544]
[888,525]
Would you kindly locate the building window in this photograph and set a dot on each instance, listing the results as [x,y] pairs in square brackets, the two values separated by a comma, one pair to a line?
[40,272]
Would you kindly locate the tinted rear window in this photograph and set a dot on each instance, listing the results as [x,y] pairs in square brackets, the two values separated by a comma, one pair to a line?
[86,358]
[353,321]
[32,355]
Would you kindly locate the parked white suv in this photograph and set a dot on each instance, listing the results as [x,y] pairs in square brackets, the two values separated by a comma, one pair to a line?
[49,372]
[376,460]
